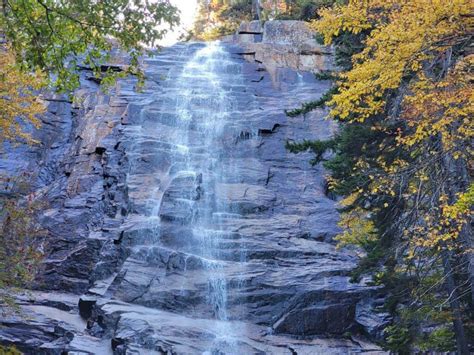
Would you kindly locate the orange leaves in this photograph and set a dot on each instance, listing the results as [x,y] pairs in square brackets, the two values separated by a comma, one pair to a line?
[19,103]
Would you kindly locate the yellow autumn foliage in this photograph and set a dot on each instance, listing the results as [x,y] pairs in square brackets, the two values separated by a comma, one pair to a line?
[358,229]
[410,84]
[404,38]
[452,220]
[19,101]
[404,34]
[444,108]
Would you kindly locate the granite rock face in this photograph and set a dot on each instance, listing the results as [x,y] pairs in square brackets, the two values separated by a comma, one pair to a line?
[179,222]
[283,44]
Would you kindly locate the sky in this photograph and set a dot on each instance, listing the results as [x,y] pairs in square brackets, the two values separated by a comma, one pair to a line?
[188,9]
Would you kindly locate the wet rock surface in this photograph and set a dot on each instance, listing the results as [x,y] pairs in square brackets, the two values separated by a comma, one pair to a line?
[127,191]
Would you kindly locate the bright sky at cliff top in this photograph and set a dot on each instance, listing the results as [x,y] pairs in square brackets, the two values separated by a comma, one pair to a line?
[188,10]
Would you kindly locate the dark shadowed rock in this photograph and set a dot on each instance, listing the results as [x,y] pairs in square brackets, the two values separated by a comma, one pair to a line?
[371,316]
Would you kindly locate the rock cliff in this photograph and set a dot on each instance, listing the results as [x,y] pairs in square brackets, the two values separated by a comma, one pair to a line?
[177,220]
[283,44]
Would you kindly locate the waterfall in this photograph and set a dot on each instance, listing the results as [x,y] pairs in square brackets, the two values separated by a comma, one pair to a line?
[202,106]
[201,111]
[182,218]
[218,244]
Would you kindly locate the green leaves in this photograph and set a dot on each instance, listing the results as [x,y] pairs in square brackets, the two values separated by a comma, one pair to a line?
[59,38]
[55,35]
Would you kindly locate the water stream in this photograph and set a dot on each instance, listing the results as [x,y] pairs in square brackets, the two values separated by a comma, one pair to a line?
[201,111]
[222,215]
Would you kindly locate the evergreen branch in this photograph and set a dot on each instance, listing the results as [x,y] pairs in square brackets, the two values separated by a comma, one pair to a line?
[318,147]
[312,105]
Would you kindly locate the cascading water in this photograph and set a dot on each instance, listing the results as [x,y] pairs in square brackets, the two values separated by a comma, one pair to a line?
[219,240]
[219,237]
[202,106]
[201,111]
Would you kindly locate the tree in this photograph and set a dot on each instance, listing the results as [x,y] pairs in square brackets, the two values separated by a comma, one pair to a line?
[55,36]
[47,39]
[18,104]
[217,18]
[405,102]
[20,242]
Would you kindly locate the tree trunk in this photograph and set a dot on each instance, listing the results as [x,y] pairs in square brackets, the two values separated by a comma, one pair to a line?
[459,182]
[467,235]
[453,295]
[453,185]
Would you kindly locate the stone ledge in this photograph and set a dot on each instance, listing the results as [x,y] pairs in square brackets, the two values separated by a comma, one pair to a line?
[283,44]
